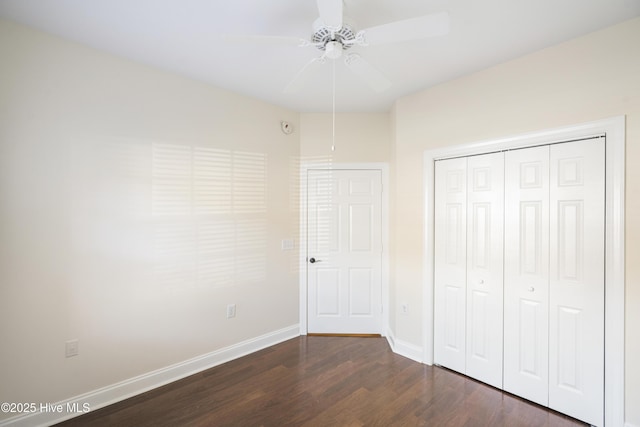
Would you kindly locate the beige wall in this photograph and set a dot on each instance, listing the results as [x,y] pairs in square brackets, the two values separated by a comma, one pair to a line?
[586,79]
[359,137]
[106,234]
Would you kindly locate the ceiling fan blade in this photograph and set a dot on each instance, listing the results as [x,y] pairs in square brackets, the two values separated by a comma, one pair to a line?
[300,79]
[374,78]
[436,24]
[267,40]
[331,13]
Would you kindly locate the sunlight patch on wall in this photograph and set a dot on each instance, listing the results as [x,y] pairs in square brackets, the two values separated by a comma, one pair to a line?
[209,209]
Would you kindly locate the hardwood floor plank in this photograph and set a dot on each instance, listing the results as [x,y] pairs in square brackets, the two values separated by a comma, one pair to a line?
[324,381]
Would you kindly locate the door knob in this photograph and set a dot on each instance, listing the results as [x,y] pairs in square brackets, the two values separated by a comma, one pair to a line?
[531,289]
[313,260]
[481,282]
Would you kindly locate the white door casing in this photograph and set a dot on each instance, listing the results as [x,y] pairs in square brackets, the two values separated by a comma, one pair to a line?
[344,251]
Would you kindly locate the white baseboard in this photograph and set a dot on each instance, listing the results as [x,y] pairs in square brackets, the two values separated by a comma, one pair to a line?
[404,348]
[391,340]
[125,389]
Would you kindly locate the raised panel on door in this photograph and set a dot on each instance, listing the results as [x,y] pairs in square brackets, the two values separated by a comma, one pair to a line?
[576,295]
[327,292]
[526,274]
[484,293]
[450,263]
[361,288]
[344,222]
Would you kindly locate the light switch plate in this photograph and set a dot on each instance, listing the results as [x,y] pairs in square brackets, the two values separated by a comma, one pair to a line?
[287,244]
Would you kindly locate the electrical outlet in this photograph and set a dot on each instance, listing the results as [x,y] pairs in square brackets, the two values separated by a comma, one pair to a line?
[231,311]
[71,348]
[404,307]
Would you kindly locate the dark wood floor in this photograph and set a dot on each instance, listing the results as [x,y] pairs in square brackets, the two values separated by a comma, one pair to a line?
[324,381]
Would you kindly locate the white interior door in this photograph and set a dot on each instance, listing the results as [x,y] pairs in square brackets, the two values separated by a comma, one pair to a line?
[576,292]
[344,251]
[526,274]
[485,225]
[450,273]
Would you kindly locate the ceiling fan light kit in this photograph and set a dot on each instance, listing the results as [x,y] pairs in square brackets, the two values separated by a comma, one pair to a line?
[333,50]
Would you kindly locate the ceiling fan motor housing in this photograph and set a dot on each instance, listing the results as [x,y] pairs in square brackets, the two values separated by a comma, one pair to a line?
[322,36]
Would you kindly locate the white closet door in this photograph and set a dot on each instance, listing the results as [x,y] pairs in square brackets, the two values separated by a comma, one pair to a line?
[526,274]
[485,225]
[450,263]
[576,345]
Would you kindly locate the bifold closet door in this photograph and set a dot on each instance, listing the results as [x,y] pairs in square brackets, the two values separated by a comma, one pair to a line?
[469,198]
[576,286]
[526,274]
[450,274]
[485,226]
[554,277]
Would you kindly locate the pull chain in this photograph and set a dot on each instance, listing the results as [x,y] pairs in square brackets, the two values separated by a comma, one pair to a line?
[333,116]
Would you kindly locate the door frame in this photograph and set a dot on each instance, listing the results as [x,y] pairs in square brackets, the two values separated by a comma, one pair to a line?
[614,129]
[319,164]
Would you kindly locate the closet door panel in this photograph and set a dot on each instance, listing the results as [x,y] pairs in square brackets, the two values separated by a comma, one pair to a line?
[526,274]
[450,263]
[485,221]
[576,299]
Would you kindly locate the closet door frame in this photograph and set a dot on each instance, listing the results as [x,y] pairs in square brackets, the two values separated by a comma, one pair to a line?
[614,130]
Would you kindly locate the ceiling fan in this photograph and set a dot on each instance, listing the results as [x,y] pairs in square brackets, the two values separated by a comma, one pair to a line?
[334,34]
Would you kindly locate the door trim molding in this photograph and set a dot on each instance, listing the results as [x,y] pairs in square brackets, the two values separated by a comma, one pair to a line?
[614,129]
[327,164]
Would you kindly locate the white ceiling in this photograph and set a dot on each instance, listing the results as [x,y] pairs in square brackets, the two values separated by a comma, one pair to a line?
[186,37]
